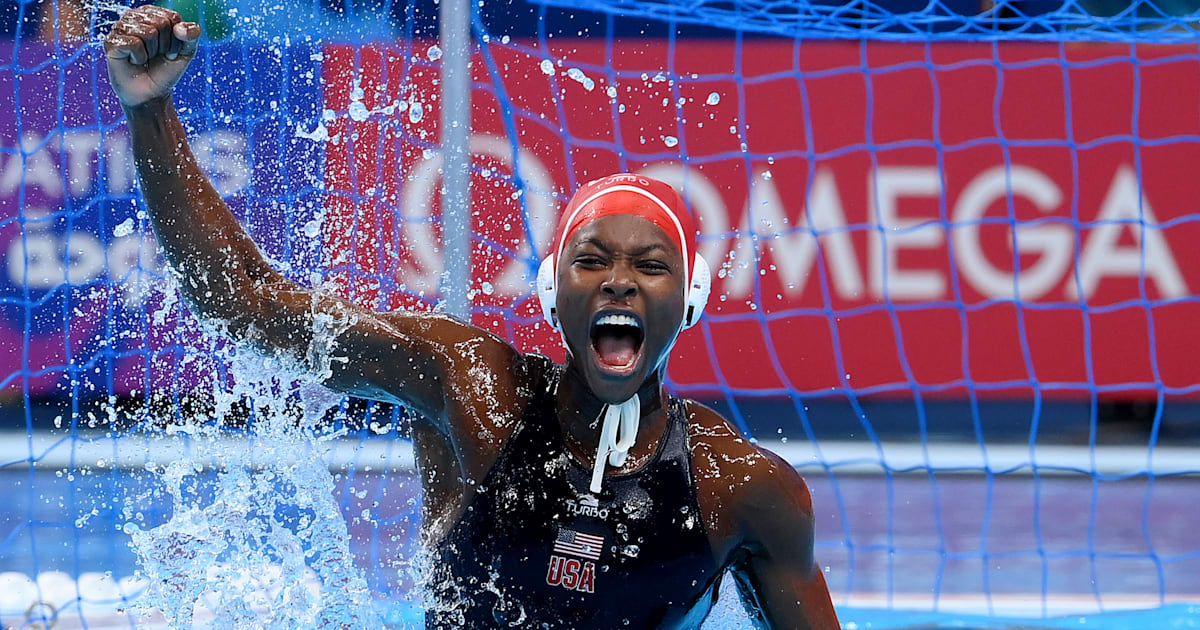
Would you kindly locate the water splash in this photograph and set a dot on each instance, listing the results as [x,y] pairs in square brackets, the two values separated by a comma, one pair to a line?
[318,134]
[255,536]
[125,228]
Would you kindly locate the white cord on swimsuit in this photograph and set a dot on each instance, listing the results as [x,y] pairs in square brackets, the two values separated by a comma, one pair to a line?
[614,449]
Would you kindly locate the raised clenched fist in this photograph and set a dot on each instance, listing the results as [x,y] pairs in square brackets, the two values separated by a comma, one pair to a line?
[148,50]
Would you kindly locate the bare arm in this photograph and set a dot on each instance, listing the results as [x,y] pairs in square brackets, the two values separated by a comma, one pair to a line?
[402,357]
[759,517]
[778,574]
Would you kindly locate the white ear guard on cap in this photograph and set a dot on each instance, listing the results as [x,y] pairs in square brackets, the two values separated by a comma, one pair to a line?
[697,295]
[700,283]
[547,292]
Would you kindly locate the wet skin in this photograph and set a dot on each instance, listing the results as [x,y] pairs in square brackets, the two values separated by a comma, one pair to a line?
[756,508]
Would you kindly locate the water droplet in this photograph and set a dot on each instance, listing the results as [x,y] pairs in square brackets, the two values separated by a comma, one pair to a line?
[548,67]
[583,79]
[124,229]
[312,228]
[434,53]
[358,111]
[670,141]
[713,99]
[416,111]
[487,288]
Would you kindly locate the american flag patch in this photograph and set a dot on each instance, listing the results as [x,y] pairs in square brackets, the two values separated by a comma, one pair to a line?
[579,544]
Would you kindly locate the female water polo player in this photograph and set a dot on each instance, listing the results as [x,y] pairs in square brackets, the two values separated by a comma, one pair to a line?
[577,496]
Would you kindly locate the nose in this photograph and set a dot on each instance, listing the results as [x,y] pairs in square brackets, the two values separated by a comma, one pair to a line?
[619,291]
[619,286]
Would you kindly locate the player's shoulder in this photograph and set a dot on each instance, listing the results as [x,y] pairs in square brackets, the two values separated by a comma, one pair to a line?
[720,450]
[443,327]
[741,487]
[481,371]
[455,341]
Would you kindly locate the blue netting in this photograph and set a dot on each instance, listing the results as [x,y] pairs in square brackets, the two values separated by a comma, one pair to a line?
[1095,20]
[954,281]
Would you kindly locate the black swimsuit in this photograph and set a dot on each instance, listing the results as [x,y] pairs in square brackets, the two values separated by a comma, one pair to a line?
[536,549]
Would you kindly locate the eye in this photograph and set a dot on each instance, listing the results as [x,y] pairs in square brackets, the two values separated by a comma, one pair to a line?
[654,267]
[589,261]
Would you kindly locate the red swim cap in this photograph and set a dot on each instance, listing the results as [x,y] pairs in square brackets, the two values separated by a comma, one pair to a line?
[641,196]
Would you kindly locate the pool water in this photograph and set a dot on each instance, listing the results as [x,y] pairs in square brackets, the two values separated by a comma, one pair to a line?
[61,524]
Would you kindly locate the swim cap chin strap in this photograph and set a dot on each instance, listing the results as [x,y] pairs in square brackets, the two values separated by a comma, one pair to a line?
[617,435]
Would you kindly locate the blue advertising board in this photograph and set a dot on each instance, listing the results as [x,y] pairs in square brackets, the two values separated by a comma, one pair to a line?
[83,308]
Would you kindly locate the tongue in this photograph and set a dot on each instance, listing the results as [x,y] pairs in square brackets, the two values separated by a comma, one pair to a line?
[616,349]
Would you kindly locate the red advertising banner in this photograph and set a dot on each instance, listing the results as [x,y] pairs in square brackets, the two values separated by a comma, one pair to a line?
[878,216]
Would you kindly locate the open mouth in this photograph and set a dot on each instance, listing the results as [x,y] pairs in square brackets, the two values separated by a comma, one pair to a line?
[617,342]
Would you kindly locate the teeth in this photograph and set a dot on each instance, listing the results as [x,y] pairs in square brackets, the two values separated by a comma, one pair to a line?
[617,320]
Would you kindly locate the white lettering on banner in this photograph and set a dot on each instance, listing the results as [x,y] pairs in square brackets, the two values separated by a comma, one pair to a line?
[80,147]
[43,260]
[1125,206]
[38,169]
[122,172]
[418,200]
[36,255]
[222,153]
[790,242]
[794,250]
[765,221]
[1054,243]
[827,218]
[891,183]
[134,263]
[703,198]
